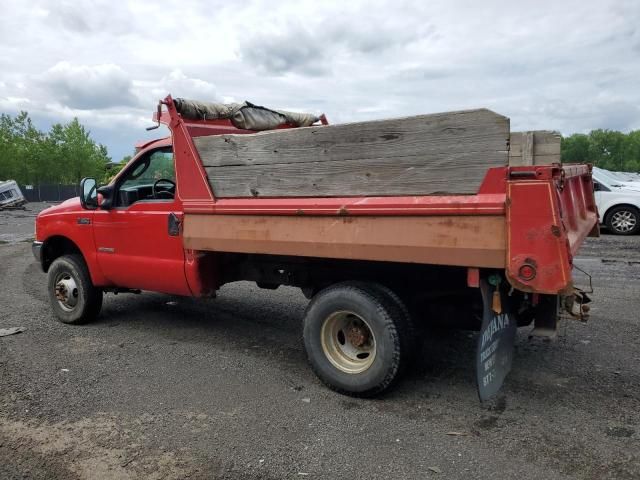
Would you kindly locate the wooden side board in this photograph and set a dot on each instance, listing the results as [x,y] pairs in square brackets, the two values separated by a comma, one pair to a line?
[474,241]
[421,155]
[539,147]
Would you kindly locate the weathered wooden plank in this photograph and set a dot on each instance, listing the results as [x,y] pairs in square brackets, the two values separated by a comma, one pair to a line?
[473,130]
[546,148]
[546,140]
[527,148]
[539,160]
[539,149]
[426,154]
[460,173]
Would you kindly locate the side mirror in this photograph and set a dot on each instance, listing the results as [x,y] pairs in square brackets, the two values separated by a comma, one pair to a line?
[89,193]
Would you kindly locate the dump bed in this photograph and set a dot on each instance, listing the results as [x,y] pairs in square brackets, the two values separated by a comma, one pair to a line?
[433,189]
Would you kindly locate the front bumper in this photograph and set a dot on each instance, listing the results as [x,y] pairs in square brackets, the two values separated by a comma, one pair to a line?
[36,248]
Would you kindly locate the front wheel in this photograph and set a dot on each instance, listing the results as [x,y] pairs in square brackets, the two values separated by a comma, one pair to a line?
[357,338]
[72,295]
[623,220]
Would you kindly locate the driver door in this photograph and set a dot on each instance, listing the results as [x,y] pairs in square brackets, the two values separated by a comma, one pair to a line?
[135,248]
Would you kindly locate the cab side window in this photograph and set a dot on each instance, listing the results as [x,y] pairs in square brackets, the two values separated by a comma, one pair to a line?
[152,178]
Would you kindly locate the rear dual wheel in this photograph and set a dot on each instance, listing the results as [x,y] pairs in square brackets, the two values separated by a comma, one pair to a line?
[358,337]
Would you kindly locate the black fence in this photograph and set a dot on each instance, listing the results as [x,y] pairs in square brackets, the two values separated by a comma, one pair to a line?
[49,193]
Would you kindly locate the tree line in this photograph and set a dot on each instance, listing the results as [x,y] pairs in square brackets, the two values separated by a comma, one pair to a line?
[66,153]
[63,155]
[608,149]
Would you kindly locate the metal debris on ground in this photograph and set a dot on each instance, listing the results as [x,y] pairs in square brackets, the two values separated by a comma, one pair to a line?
[12,207]
[11,331]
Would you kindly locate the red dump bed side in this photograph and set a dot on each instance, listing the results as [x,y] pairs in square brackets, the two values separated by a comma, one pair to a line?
[529,220]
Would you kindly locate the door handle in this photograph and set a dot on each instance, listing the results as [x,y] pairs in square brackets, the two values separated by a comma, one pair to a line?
[174,225]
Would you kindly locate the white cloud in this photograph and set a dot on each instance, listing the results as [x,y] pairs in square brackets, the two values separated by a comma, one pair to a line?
[178,83]
[570,65]
[89,87]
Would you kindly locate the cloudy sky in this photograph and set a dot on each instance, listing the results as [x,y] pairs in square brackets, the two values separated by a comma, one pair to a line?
[565,65]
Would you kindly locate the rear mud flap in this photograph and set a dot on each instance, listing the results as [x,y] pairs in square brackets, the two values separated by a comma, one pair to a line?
[494,353]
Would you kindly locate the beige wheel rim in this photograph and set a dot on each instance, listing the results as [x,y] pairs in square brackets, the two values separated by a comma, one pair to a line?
[66,291]
[348,342]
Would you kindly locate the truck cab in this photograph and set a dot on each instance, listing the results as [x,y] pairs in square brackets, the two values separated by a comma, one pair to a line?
[124,244]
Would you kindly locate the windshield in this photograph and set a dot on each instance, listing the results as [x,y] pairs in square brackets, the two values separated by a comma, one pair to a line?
[158,165]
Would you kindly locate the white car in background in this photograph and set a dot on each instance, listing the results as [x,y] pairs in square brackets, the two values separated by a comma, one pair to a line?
[618,201]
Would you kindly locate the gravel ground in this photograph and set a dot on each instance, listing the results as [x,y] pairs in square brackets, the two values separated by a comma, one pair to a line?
[16,225]
[165,387]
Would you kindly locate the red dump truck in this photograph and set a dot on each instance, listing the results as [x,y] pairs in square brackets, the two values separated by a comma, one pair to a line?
[383,225]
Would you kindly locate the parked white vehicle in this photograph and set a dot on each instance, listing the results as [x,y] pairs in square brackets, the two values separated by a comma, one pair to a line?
[618,202]
[628,176]
[10,194]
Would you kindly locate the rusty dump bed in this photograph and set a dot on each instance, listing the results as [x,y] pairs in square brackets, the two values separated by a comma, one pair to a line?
[528,220]
[464,240]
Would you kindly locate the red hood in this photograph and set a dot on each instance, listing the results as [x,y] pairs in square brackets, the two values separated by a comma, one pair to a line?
[58,219]
[71,205]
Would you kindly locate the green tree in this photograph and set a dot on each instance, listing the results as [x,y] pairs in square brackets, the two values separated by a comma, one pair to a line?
[114,168]
[20,148]
[575,149]
[606,149]
[632,152]
[608,146]
[63,155]
[79,154]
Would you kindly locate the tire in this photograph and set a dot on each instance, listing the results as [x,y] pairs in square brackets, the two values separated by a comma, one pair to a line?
[378,326]
[623,220]
[412,340]
[80,300]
